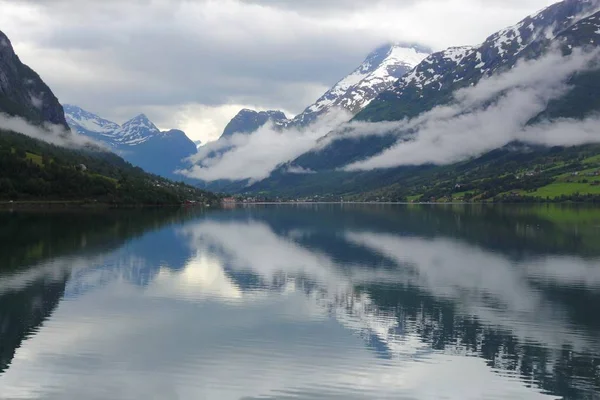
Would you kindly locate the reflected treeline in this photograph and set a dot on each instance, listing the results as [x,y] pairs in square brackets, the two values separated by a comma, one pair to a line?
[23,311]
[516,286]
[516,230]
[32,244]
[465,279]
[558,371]
[28,238]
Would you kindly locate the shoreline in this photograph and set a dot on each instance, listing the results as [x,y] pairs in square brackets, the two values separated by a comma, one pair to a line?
[82,204]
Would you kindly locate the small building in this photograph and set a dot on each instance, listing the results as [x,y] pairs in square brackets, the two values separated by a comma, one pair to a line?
[81,167]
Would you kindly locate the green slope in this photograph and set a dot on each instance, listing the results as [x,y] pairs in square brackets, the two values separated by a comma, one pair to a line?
[35,170]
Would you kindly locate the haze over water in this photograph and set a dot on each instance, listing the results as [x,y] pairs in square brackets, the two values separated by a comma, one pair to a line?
[301,302]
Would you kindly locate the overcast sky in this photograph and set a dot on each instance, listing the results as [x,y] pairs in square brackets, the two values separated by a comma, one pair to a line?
[193,64]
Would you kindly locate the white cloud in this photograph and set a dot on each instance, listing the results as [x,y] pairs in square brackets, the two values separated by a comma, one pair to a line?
[55,134]
[471,126]
[180,55]
[255,156]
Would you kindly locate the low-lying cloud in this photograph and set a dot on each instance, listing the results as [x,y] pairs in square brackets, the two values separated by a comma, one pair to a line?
[483,117]
[487,116]
[254,156]
[49,133]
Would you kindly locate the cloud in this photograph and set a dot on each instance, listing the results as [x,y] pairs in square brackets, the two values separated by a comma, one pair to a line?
[115,56]
[299,170]
[483,117]
[254,156]
[50,133]
[489,115]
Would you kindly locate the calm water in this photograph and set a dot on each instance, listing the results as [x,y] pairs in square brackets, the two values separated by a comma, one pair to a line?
[301,302]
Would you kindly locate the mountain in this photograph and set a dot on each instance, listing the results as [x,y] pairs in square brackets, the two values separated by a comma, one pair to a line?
[434,81]
[198,143]
[566,26]
[36,170]
[248,121]
[138,140]
[378,72]
[22,91]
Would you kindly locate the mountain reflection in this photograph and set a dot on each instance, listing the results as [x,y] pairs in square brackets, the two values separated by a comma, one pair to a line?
[508,297]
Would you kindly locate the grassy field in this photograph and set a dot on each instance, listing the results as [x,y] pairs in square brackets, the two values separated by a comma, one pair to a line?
[592,160]
[34,158]
[113,180]
[564,188]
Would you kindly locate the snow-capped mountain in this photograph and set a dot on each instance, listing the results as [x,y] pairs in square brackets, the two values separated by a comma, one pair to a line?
[138,140]
[444,72]
[434,81]
[378,72]
[133,132]
[137,130]
[89,124]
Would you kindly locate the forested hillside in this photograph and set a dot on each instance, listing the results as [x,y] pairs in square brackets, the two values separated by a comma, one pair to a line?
[34,170]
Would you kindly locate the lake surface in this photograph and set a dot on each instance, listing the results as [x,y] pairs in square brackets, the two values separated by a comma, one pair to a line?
[301,302]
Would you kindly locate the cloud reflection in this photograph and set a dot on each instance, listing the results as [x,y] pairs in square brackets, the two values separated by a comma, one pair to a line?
[256,312]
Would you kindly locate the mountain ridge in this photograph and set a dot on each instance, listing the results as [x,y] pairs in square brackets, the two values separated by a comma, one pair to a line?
[380,69]
[23,92]
[434,81]
[564,26]
[138,140]
[248,121]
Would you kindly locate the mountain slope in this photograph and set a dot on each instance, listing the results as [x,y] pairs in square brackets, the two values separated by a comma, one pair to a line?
[248,121]
[138,140]
[35,170]
[435,80]
[565,26]
[22,91]
[378,72]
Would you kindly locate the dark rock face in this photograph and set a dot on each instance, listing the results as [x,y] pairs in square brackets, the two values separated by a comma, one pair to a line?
[22,91]
[248,121]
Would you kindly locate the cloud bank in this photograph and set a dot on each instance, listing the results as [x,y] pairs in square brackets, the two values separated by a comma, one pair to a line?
[489,115]
[483,117]
[50,133]
[254,156]
[174,59]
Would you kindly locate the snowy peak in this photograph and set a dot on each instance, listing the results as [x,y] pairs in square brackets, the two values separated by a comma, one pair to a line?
[378,72]
[456,67]
[138,140]
[135,131]
[83,121]
[138,130]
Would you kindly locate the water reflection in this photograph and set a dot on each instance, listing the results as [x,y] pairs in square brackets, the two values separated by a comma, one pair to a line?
[313,302]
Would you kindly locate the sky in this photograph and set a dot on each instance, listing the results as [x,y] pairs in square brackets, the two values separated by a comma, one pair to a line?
[193,65]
